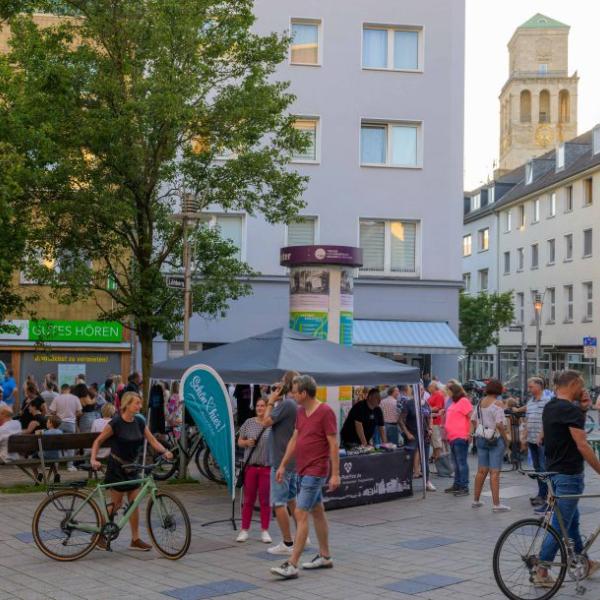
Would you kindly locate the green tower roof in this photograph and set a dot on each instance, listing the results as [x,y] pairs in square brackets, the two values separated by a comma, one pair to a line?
[540,21]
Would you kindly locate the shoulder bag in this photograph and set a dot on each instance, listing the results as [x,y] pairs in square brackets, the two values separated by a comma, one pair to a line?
[239,482]
[489,435]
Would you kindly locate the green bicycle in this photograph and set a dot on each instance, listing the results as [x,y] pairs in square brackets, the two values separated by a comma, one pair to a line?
[68,524]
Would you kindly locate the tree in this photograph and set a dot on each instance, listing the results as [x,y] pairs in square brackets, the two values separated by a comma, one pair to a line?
[481,318]
[121,111]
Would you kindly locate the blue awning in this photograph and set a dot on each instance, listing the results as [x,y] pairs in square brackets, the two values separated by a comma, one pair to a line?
[414,337]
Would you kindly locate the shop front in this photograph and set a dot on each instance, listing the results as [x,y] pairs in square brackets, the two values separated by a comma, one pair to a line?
[67,349]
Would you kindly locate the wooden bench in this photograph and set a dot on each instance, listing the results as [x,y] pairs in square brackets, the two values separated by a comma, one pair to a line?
[28,445]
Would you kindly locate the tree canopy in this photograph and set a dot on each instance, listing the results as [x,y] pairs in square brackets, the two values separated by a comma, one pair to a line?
[119,112]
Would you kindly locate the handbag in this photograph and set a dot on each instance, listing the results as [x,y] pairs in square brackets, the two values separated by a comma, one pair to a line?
[489,435]
[239,482]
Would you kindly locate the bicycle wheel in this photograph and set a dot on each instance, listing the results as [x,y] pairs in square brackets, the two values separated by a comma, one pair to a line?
[55,532]
[212,468]
[168,525]
[199,460]
[516,556]
[165,470]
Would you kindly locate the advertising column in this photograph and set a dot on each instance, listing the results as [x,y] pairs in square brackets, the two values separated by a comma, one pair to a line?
[322,300]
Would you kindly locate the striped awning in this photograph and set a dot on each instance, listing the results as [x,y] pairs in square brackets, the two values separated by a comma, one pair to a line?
[415,337]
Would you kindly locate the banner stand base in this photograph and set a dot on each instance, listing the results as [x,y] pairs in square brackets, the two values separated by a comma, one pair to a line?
[230,520]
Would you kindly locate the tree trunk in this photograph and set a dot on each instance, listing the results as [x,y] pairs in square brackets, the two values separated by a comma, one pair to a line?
[146,339]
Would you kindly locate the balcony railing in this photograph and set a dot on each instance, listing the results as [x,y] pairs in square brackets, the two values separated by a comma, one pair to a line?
[543,74]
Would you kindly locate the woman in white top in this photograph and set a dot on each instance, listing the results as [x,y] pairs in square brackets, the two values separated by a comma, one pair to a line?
[491,438]
[108,412]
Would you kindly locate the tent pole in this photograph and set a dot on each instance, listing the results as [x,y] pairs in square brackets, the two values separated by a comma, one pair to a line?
[421,434]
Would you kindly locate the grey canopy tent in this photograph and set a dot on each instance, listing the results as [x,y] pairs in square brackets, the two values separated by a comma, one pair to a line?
[264,358]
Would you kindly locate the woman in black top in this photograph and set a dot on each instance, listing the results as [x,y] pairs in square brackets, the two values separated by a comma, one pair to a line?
[34,409]
[126,432]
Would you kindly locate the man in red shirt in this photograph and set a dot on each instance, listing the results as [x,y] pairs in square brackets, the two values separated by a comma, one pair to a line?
[437,401]
[314,443]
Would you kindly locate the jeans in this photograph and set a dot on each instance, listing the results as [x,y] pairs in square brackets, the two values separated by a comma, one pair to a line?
[539,466]
[310,491]
[66,427]
[565,485]
[490,457]
[460,450]
[257,480]
[392,433]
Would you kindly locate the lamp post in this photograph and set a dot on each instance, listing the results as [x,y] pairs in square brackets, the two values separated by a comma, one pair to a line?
[538,304]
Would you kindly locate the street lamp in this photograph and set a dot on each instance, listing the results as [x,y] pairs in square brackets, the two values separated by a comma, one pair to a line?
[538,304]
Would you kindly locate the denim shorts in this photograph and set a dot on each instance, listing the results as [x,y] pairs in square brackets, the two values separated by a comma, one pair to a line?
[284,492]
[490,458]
[310,491]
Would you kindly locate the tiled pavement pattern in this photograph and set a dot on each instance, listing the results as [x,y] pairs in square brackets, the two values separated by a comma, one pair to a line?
[404,550]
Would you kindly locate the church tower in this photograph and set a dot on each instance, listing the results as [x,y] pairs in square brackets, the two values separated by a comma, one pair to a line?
[538,103]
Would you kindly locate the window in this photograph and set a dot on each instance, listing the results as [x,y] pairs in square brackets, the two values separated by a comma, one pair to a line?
[535,256]
[302,233]
[525,107]
[389,246]
[467,245]
[569,198]
[551,304]
[390,144]
[475,201]
[394,48]
[596,139]
[543,68]
[483,280]
[588,304]
[528,173]
[587,191]
[536,210]
[305,46]
[544,106]
[564,106]
[587,243]
[491,195]
[506,263]
[522,216]
[231,228]
[484,239]
[309,126]
[520,308]
[508,221]
[551,251]
[560,157]
[569,246]
[552,205]
[568,303]
[520,259]
[467,282]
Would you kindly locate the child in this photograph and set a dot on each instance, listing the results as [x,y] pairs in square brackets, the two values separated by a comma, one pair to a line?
[108,412]
[52,423]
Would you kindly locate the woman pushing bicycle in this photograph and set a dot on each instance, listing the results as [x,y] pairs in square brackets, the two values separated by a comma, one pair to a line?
[126,433]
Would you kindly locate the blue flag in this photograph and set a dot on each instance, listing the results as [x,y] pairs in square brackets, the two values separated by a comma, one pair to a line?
[206,399]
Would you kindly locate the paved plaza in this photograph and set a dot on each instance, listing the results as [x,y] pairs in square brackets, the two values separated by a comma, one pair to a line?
[403,549]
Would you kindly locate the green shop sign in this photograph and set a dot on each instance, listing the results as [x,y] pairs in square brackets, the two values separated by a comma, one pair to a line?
[75,331]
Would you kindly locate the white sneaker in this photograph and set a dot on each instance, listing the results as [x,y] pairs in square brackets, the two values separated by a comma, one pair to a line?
[477,504]
[286,570]
[242,536]
[499,508]
[72,469]
[430,487]
[265,538]
[282,549]
[318,562]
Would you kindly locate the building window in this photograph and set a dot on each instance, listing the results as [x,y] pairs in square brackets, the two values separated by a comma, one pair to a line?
[484,239]
[596,139]
[551,251]
[587,243]
[560,157]
[230,228]
[536,210]
[551,304]
[569,198]
[467,245]
[568,303]
[394,48]
[544,107]
[543,68]
[520,308]
[483,280]
[569,246]
[506,263]
[309,126]
[587,191]
[552,205]
[508,221]
[520,259]
[588,297]
[305,46]
[476,201]
[467,282]
[522,216]
[525,106]
[390,144]
[535,256]
[491,195]
[389,246]
[302,233]
[528,173]
[564,106]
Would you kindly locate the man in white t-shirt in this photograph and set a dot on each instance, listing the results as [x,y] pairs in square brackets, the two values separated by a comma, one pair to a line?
[68,408]
[8,427]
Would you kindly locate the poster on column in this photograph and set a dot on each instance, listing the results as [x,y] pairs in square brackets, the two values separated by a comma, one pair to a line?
[309,301]
[346,306]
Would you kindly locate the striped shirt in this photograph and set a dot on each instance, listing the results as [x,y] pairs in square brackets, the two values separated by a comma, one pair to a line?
[535,408]
[390,409]
[250,430]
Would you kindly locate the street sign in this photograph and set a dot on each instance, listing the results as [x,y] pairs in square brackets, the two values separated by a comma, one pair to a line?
[175,281]
[590,347]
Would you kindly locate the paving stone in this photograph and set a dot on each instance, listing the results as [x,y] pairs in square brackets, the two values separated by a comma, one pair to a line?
[428,543]
[210,590]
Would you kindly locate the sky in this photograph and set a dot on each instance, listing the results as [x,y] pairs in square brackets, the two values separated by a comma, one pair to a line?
[489,27]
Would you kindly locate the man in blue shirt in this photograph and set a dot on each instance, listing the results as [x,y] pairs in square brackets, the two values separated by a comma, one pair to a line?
[8,388]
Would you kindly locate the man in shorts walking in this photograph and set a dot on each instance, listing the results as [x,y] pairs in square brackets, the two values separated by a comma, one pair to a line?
[314,443]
